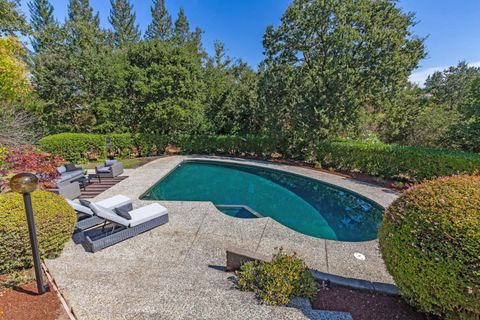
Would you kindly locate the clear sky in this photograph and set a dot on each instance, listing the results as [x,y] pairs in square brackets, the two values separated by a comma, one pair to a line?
[452,26]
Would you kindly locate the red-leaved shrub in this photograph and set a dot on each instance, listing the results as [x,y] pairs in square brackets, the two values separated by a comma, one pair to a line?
[27,159]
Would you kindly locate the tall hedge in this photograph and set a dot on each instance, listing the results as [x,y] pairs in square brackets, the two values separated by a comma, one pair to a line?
[396,162]
[54,220]
[430,242]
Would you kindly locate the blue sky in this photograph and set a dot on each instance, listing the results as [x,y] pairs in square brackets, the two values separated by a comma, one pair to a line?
[452,26]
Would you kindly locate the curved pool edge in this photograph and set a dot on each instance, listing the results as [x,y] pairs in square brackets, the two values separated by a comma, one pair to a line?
[331,256]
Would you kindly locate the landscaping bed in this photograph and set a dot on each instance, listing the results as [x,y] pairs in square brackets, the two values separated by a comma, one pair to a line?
[19,299]
[364,305]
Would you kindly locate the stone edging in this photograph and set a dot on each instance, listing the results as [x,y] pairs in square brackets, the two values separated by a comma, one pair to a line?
[376,287]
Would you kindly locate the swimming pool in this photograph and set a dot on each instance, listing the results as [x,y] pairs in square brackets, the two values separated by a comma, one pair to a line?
[303,204]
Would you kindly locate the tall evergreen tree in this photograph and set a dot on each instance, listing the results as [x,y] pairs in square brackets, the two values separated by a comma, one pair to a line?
[181,31]
[11,19]
[161,26]
[44,25]
[122,19]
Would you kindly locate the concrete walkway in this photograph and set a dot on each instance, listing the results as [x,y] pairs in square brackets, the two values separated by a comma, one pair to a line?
[176,271]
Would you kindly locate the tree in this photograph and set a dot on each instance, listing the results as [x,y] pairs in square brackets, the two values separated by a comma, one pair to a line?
[44,26]
[161,26]
[181,31]
[14,82]
[11,20]
[449,87]
[465,134]
[330,60]
[231,94]
[165,90]
[122,19]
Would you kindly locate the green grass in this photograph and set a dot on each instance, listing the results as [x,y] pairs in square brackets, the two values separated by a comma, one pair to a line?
[131,163]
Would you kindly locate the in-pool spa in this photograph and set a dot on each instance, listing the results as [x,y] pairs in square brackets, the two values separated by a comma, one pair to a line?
[305,205]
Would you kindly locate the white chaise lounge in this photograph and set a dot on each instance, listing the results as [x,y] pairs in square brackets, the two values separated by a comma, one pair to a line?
[87,219]
[117,228]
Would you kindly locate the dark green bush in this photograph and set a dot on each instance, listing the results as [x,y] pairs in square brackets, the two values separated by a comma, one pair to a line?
[396,162]
[277,281]
[75,147]
[430,241]
[54,220]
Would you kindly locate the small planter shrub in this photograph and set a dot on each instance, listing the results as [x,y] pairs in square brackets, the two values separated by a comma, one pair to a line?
[430,241]
[54,220]
[277,281]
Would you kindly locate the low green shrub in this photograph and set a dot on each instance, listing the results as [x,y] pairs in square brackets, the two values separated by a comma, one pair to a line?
[277,281]
[54,220]
[396,162]
[430,242]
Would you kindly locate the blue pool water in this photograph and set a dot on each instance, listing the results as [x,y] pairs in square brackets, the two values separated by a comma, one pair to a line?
[302,204]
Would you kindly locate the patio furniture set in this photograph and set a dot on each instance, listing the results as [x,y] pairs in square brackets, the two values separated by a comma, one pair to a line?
[72,178]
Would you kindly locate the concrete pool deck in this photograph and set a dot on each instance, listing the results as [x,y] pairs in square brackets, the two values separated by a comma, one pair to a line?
[176,271]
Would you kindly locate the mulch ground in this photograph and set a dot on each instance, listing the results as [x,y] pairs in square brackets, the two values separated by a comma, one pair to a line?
[363,305]
[21,302]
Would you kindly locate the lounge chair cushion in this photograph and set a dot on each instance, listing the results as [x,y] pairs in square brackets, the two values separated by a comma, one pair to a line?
[147,213]
[115,201]
[61,170]
[103,169]
[109,163]
[108,215]
[79,208]
[70,167]
[123,213]
[85,203]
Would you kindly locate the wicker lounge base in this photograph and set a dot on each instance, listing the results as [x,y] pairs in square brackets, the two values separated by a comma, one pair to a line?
[103,237]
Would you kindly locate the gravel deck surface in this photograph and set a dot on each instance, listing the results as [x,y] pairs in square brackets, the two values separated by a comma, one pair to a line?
[176,271]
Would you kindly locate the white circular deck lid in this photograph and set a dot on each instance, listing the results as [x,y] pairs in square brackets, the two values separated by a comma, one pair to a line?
[359,256]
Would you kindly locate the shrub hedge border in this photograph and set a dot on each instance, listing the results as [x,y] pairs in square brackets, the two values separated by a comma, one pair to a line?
[387,161]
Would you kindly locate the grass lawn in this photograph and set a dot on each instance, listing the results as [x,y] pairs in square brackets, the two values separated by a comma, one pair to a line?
[131,163]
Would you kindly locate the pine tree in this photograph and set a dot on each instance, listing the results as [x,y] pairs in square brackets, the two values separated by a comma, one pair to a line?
[44,25]
[161,26]
[11,18]
[122,19]
[181,32]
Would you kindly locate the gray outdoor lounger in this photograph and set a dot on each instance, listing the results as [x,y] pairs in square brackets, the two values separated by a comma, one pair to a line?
[87,219]
[117,228]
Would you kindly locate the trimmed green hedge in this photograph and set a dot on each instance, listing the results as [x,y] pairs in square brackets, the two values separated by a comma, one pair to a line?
[430,242]
[80,147]
[376,159]
[54,219]
[395,162]
[75,147]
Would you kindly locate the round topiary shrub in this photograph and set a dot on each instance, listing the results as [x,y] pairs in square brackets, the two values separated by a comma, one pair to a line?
[430,241]
[54,221]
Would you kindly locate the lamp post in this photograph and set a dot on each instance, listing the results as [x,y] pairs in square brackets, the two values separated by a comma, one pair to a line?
[25,183]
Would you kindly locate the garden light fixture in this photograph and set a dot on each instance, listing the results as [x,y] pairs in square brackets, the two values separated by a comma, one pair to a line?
[25,183]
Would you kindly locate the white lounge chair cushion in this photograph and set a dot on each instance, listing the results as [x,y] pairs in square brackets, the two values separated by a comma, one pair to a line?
[78,207]
[146,213]
[109,215]
[114,202]
[110,203]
